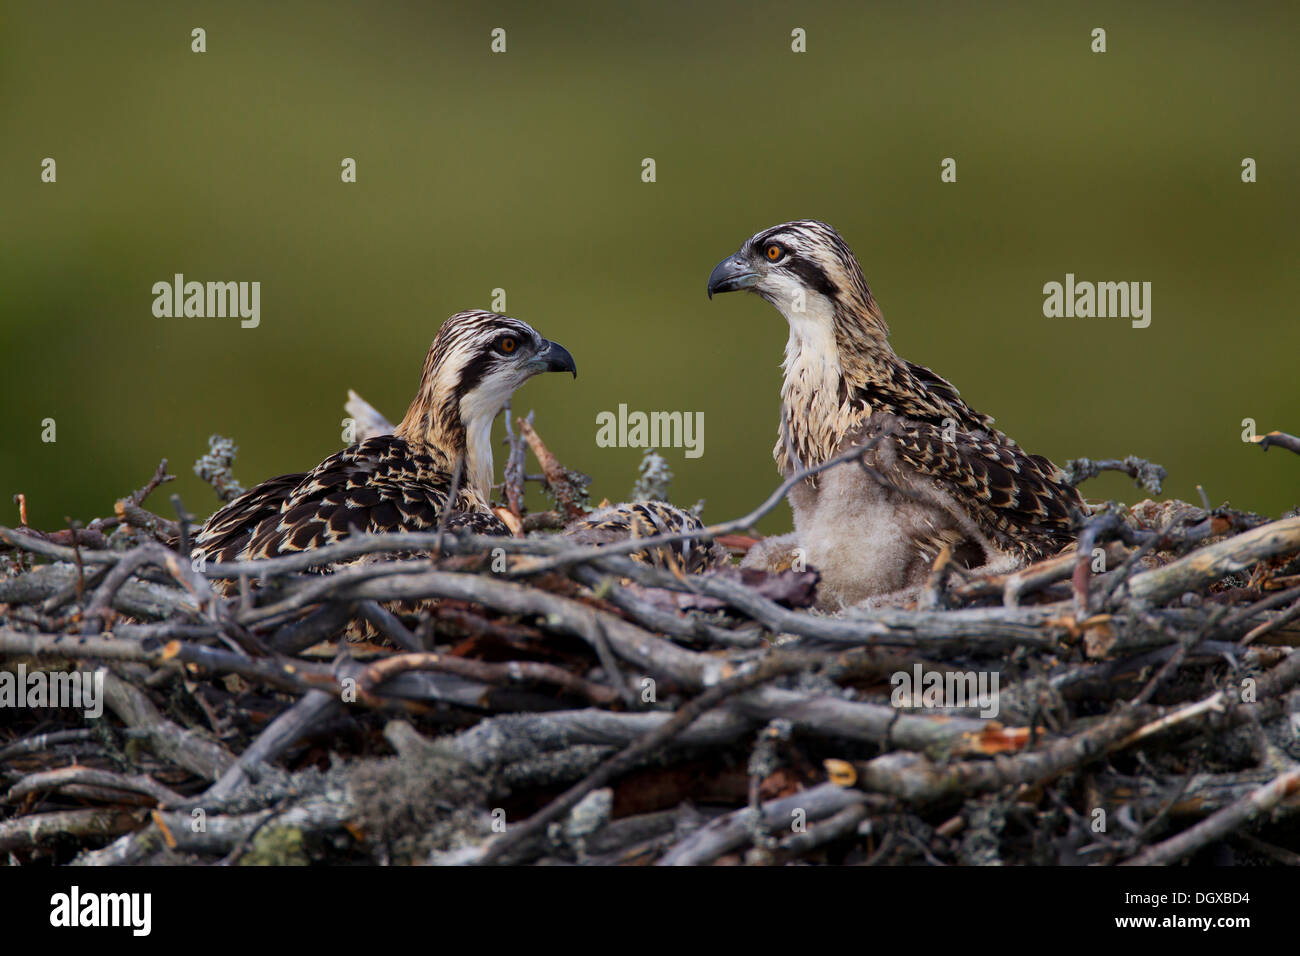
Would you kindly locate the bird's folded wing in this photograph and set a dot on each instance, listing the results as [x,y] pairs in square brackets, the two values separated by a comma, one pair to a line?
[228,532]
[1021,501]
[915,392]
[378,485]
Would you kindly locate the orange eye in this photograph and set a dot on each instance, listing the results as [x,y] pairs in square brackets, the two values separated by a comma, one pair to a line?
[774,252]
[507,345]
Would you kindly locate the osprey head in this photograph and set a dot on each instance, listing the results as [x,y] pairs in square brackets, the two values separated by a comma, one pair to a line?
[804,269]
[476,362]
[837,335]
[480,358]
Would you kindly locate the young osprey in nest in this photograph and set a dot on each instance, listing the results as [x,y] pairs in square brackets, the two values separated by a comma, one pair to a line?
[401,482]
[645,519]
[943,475]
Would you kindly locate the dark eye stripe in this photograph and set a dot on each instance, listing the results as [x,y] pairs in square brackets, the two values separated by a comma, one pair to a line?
[474,371]
[812,275]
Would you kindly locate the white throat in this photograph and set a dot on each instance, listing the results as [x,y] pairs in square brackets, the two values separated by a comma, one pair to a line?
[478,410]
[478,458]
[812,356]
[810,392]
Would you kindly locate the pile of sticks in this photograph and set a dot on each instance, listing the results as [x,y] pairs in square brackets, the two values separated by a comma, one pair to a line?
[565,703]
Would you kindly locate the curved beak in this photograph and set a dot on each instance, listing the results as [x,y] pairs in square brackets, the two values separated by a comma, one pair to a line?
[730,274]
[556,358]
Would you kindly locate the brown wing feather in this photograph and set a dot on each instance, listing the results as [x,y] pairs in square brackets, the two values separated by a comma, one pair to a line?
[915,392]
[947,401]
[227,533]
[382,484]
[1021,501]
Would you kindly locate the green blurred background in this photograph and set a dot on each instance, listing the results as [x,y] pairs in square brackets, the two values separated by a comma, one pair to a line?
[523,171]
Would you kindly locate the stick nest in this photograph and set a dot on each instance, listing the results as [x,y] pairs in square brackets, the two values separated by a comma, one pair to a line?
[551,702]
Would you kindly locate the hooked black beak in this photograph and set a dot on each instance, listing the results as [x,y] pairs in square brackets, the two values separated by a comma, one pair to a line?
[730,274]
[556,358]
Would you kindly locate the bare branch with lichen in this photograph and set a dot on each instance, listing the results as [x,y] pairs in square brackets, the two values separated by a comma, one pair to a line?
[1147,475]
[215,468]
[654,478]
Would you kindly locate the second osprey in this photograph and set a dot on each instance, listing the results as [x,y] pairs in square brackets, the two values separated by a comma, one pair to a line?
[944,476]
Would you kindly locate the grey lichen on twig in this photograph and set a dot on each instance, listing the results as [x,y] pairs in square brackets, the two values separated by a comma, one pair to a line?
[214,468]
[654,478]
[1149,476]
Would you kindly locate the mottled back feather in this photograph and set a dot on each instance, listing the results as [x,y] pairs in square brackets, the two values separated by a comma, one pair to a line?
[644,519]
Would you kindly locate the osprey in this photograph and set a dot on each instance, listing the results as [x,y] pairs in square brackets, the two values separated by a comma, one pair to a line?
[401,482]
[645,519]
[943,475]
